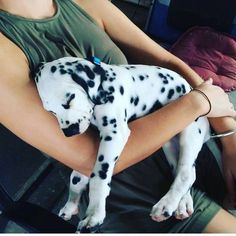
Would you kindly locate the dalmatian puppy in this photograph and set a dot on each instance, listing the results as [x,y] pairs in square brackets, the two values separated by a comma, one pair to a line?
[81,92]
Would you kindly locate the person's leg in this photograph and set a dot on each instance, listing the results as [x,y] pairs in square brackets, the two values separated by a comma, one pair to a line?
[222,222]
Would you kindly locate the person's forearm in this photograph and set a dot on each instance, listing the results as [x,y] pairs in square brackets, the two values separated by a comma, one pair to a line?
[141,49]
[221,124]
[149,133]
[41,130]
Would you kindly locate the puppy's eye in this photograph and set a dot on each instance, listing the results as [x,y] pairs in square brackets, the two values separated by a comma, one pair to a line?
[67,105]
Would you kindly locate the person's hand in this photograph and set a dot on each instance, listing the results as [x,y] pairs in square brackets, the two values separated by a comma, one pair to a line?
[220,103]
[229,169]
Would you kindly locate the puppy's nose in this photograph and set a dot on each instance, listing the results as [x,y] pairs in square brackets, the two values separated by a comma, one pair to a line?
[71,130]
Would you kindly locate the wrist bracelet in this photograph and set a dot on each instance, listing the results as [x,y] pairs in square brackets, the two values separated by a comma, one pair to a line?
[205,96]
[224,134]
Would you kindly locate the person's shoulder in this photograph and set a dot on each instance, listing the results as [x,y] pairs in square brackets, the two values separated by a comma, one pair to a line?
[96,8]
[13,62]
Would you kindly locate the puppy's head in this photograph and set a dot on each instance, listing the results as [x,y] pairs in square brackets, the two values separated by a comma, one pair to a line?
[64,98]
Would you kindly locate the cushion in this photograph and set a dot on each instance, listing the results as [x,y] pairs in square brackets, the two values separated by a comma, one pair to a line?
[210,54]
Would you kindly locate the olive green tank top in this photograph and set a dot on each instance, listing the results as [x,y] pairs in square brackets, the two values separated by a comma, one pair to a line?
[70,32]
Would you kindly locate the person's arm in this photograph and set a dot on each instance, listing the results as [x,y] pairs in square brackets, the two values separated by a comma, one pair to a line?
[142,49]
[23,114]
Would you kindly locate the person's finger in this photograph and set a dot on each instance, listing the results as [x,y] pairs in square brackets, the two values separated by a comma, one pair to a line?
[209,81]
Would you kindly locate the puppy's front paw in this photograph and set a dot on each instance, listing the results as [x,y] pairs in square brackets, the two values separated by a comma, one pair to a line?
[185,207]
[92,221]
[164,209]
[69,210]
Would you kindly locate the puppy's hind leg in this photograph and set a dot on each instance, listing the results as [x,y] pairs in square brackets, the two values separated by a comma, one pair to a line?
[178,197]
[78,183]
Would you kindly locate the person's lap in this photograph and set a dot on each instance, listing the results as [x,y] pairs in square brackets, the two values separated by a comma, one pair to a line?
[135,190]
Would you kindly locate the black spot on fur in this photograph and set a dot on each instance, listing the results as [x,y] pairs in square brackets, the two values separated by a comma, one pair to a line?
[67,105]
[144,107]
[141,77]
[101,158]
[116,158]
[89,72]
[163,90]
[170,93]
[68,63]
[110,99]
[136,101]
[79,67]
[183,88]
[105,167]
[91,83]
[131,100]
[75,180]
[102,174]
[199,131]
[165,81]
[112,121]
[53,69]
[156,106]
[92,175]
[121,90]
[79,80]
[112,79]
[62,71]
[178,89]
[71,130]
[108,138]
[133,117]
[105,121]
[111,89]
[70,71]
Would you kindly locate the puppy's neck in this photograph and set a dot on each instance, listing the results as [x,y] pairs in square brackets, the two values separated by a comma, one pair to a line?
[92,83]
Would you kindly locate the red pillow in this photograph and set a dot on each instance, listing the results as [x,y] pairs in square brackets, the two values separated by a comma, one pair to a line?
[210,54]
